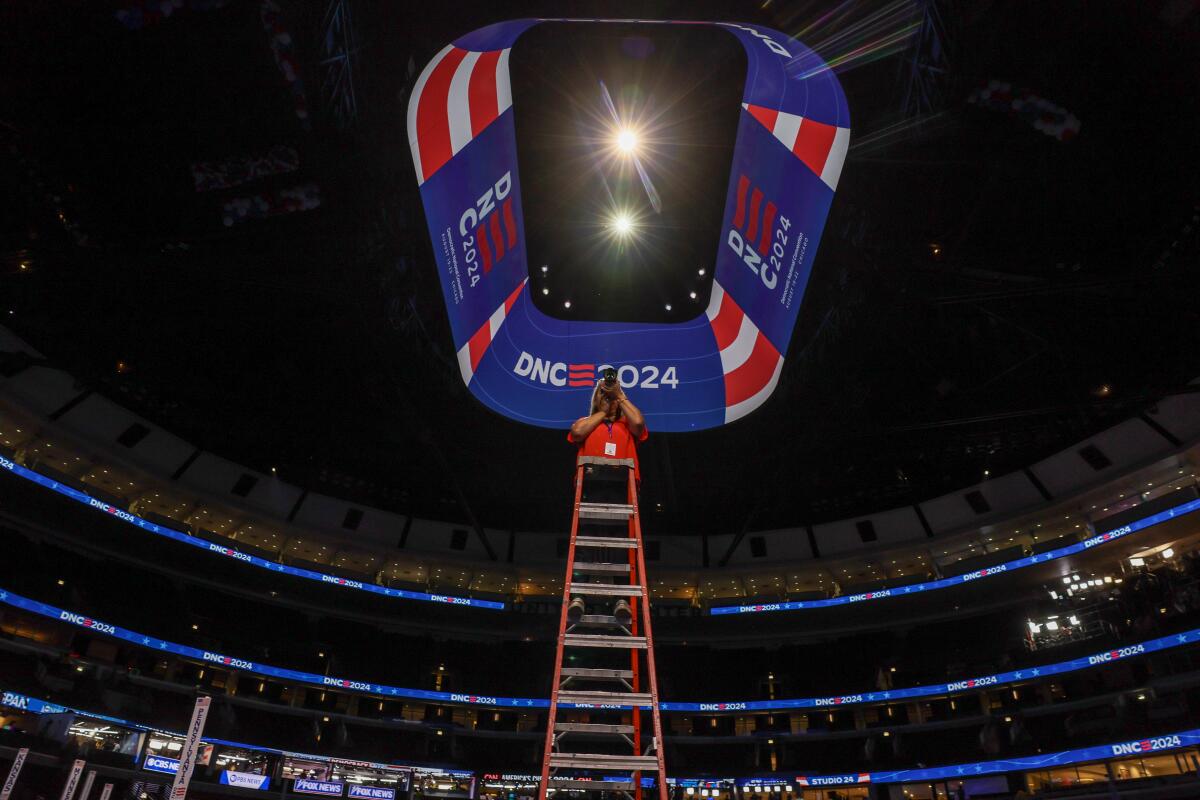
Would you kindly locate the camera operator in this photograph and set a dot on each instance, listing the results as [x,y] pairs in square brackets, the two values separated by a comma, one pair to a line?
[614,426]
[611,430]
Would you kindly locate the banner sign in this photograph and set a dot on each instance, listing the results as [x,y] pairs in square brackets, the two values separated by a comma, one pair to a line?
[87,785]
[306,786]
[792,138]
[14,772]
[1045,760]
[370,792]
[245,780]
[970,684]
[153,763]
[191,743]
[958,580]
[237,555]
[68,791]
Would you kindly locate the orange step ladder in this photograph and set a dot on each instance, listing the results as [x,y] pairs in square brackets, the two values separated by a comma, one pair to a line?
[604,756]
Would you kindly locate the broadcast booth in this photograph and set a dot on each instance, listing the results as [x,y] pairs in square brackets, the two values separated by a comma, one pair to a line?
[227,764]
[433,782]
[335,777]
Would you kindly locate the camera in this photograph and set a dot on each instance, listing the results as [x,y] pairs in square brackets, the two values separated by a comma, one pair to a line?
[610,378]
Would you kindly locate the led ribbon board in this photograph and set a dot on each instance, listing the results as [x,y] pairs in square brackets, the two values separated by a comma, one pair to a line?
[237,555]
[958,580]
[1154,744]
[1184,638]
[792,137]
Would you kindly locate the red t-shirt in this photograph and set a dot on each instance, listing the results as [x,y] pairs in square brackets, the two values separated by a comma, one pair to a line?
[623,443]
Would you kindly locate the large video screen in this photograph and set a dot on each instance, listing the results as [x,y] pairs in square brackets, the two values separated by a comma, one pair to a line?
[711,363]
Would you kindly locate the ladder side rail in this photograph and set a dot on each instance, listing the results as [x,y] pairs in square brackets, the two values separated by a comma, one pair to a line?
[655,715]
[562,632]
[636,576]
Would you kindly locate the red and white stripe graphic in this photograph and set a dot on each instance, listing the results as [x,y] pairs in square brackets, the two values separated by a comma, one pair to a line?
[458,94]
[492,253]
[757,235]
[821,147]
[581,374]
[470,354]
[750,362]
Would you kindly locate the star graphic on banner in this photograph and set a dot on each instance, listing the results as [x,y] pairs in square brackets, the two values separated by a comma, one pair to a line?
[1035,672]
[145,640]
[393,691]
[870,697]
[961,770]
[1182,637]
[886,695]
[978,768]
[162,645]
[3,595]
[907,590]
[1033,559]
[1017,674]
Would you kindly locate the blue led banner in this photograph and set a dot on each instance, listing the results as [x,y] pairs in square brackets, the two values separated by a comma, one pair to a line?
[1125,749]
[327,788]
[229,552]
[153,763]
[370,792]
[249,780]
[792,138]
[958,580]
[378,689]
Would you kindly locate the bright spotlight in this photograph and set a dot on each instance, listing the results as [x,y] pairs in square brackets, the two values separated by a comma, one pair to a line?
[627,140]
[622,224]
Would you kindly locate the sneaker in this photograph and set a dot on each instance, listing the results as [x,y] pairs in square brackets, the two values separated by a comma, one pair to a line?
[623,612]
[575,610]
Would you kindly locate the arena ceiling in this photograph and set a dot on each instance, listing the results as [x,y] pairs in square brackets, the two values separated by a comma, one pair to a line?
[985,294]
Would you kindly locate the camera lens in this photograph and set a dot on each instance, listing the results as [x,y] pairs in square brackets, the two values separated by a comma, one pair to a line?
[610,376]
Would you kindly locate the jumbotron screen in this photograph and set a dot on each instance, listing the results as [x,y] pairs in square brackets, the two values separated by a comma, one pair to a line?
[738,203]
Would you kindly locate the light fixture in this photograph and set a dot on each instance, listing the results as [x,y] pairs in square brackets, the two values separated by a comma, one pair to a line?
[627,140]
[667,306]
[1067,579]
[545,290]
[700,272]
[692,295]
[1136,562]
[622,224]
[1074,620]
[567,304]
[1051,625]
[1168,553]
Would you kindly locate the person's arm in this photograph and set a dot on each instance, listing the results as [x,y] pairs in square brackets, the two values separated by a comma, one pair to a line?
[584,426]
[633,417]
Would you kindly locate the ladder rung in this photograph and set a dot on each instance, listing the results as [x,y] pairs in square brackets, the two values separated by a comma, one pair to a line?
[592,727]
[589,697]
[599,621]
[597,786]
[605,541]
[597,674]
[599,640]
[606,462]
[619,590]
[605,512]
[598,568]
[602,761]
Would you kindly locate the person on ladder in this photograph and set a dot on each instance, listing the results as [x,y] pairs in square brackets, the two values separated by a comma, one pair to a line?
[612,429]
